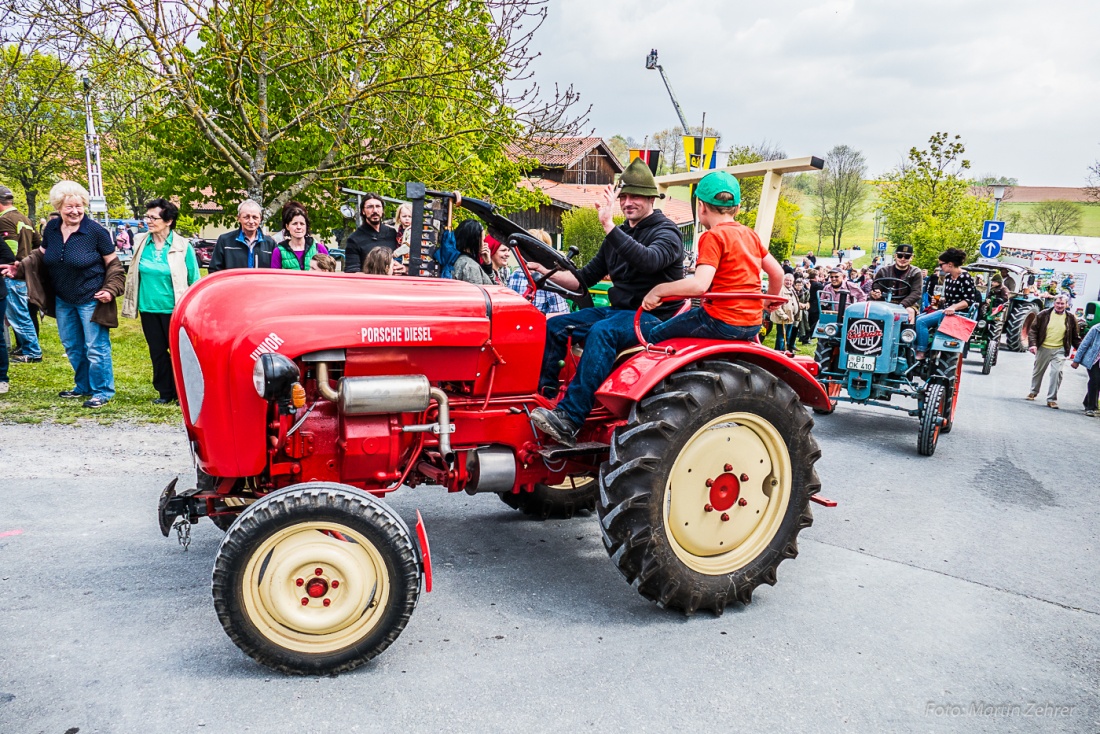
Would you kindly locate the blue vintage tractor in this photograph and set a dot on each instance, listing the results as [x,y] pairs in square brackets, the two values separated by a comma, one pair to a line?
[866,354]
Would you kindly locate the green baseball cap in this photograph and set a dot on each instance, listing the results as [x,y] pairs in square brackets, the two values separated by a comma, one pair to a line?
[715,183]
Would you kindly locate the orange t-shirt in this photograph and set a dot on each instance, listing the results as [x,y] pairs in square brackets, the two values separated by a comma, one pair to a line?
[737,255]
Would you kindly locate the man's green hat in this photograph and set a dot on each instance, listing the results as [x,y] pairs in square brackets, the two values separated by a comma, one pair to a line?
[637,179]
[715,183]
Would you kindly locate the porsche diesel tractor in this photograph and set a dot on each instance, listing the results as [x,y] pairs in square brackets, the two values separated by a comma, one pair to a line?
[307,398]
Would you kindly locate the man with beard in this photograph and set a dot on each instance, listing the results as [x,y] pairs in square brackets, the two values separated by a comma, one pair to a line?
[901,270]
[371,233]
[644,251]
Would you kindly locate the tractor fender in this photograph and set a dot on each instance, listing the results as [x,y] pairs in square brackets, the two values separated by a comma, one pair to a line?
[637,376]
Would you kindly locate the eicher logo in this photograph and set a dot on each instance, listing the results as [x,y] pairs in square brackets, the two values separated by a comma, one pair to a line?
[865,335]
[395,334]
[268,345]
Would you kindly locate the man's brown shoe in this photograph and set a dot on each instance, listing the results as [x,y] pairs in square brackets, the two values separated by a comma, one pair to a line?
[1052,404]
[1032,396]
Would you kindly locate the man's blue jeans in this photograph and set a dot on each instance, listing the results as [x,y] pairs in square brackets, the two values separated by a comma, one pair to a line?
[88,347]
[603,332]
[3,340]
[19,318]
[699,324]
[924,323]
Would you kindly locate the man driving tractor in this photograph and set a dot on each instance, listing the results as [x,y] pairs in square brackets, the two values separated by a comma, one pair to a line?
[644,251]
[900,270]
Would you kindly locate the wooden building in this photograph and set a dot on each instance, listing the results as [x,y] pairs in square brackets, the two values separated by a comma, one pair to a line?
[572,173]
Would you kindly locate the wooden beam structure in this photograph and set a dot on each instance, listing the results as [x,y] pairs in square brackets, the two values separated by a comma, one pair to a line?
[772,171]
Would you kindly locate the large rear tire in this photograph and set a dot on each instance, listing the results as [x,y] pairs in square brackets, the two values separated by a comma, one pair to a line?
[1015,338]
[344,553]
[708,485]
[575,494]
[929,433]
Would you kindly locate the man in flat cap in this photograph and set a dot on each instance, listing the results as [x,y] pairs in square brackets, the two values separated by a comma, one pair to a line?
[901,270]
[637,255]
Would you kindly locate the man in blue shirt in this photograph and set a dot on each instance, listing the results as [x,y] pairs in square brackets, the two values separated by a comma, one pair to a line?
[245,247]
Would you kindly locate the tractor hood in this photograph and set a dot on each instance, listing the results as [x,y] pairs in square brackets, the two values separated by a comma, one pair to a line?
[227,320]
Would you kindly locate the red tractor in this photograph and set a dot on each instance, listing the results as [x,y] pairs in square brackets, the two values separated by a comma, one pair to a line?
[308,397]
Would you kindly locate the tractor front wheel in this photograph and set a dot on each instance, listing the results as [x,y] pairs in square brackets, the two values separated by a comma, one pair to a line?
[824,355]
[990,356]
[316,579]
[575,494]
[708,485]
[1015,336]
[929,433]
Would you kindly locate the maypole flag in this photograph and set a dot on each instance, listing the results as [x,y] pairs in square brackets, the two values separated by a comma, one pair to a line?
[699,152]
[649,157]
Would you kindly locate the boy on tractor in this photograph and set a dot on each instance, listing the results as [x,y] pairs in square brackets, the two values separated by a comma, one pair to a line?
[731,256]
[644,251]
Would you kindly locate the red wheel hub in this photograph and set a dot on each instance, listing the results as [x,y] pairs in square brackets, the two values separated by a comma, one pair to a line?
[317,588]
[724,492]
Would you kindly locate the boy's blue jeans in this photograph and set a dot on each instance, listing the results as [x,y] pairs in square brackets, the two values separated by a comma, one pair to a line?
[19,318]
[604,332]
[924,323]
[699,324]
[88,347]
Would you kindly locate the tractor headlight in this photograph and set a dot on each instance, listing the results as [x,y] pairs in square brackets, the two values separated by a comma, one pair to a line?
[273,376]
[830,329]
[908,336]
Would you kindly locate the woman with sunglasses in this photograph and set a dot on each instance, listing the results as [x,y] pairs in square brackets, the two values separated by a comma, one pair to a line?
[959,294]
[900,269]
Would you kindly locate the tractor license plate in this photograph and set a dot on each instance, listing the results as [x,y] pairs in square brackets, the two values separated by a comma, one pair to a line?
[860,363]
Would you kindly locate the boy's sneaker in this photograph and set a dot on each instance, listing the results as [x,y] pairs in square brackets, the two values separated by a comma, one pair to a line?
[70,394]
[3,387]
[95,403]
[24,359]
[555,425]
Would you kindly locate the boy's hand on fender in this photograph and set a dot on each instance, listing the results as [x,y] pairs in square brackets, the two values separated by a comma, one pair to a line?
[651,302]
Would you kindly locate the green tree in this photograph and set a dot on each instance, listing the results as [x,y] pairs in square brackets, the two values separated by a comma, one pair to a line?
[581,228]
[787,213]
[926,202]
[295,99]
[1054,217]
[1092,182]
[41,123]
[840,192]
[620,145]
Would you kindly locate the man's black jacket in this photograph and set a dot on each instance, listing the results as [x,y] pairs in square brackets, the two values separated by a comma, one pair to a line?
[362,241]
[230,251]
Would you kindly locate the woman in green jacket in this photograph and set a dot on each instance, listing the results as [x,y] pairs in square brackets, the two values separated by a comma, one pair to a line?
[164,265]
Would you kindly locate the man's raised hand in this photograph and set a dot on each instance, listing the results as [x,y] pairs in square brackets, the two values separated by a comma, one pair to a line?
[605,205]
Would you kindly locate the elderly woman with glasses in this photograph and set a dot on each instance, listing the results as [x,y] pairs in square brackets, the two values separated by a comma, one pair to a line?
[901,269]
[75,276]
[163,267]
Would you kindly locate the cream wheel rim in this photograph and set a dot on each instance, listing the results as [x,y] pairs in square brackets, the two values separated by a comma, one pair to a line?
[315,587]
[727,493]
[571,482]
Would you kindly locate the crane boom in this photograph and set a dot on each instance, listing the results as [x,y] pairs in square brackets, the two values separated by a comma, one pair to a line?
[651,63]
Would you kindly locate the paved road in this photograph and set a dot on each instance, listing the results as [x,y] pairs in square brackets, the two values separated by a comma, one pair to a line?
[937,584]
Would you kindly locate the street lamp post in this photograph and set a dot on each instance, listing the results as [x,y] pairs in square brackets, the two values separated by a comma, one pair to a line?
[998,194]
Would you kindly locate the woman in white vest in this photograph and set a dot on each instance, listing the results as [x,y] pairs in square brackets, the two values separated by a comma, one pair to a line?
[164,265]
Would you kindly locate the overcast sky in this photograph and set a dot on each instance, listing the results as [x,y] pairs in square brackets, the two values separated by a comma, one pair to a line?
[1020,81]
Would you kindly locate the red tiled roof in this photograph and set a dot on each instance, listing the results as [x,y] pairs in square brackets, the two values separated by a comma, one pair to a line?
[558,152]
[1028,194]
[571,196]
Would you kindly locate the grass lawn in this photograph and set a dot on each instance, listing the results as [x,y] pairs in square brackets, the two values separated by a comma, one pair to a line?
[34,387]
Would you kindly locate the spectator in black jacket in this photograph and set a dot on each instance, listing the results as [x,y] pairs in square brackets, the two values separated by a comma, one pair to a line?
[245,247]
[817,284]
[900,270]
[371,233]
[643,252]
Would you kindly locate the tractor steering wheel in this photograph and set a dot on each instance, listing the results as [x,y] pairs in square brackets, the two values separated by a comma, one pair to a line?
[892,288]
[530,249]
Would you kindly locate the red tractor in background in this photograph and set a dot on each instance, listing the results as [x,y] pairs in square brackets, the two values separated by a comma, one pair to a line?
[308,397]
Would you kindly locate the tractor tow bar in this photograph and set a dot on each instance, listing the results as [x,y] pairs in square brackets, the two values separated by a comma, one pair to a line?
[824,501]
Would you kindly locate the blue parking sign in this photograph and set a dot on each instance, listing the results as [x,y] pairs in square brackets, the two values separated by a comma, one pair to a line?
[993,230]
[990,248]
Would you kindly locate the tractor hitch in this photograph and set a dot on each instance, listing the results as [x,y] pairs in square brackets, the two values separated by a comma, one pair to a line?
[174,506]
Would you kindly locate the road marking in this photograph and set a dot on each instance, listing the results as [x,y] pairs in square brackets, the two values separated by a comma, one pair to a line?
[6,533]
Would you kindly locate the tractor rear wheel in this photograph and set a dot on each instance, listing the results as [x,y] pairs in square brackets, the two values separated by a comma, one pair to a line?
[990,356]
[708,485]
[823,355]
[575,494]
[950,367]
[1015,338]
[929,432]
[316,579]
